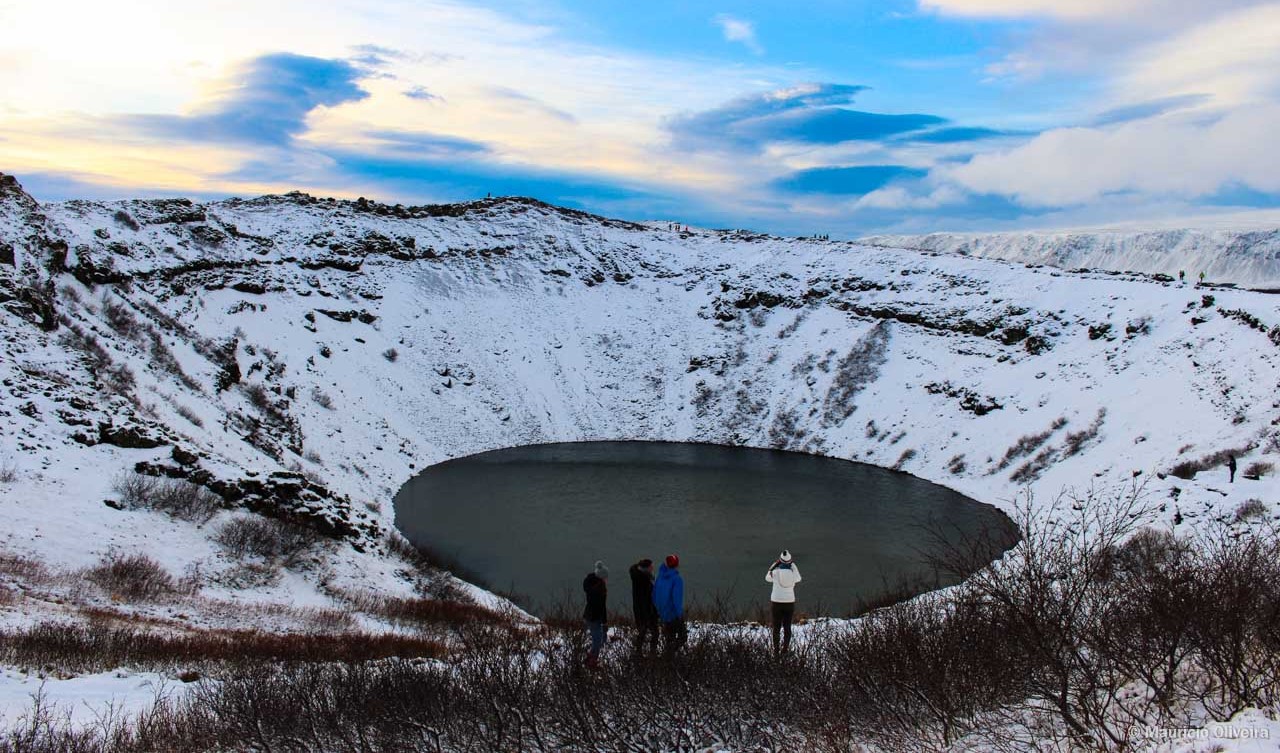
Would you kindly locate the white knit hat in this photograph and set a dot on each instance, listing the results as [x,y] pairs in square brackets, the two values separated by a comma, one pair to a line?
[785,556]
[601,571]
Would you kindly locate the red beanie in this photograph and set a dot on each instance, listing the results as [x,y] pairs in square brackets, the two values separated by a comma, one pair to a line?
[673,561]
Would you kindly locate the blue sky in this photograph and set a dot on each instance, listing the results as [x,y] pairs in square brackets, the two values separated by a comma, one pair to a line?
[841,117]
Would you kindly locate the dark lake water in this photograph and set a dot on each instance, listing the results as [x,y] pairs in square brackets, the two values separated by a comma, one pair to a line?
[531,521]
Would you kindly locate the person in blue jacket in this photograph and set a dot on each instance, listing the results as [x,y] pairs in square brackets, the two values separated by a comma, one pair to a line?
[668,597]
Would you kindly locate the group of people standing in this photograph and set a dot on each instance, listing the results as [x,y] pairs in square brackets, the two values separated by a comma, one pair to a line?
[657,604]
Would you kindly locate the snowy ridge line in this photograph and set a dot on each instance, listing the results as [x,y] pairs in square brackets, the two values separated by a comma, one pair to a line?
[1245,257]
[304,357]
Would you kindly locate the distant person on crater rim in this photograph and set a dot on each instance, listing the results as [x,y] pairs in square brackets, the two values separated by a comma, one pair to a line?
[784,575]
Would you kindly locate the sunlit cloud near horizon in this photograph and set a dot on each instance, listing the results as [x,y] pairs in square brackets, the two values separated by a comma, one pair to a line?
[832,117]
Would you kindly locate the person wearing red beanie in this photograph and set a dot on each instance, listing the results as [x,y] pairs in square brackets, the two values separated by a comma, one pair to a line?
[668,597]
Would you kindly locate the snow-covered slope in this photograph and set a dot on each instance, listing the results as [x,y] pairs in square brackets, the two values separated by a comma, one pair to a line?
[304,357]
[1245,257]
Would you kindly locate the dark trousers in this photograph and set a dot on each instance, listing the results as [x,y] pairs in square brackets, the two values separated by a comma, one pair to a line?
[674,635]
[782,615]
[647,632]
[596,632]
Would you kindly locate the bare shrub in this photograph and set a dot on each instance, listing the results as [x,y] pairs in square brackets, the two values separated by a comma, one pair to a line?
[857,369]
[189,414]
[134,577]
[1188,469]
[791,328]
[179,498]
[1236,639]
[164,359]
[1075,441]
[113,378]
[1031,470]
[1250,509]
[120,318]
[70,293]
[76,338]
[267,538]
[273,409]
[8,472]
[319,397]
[119,379]
[391,354]
[1258,469]
[126,220]
[249,574]
[785,431]
[1028,444]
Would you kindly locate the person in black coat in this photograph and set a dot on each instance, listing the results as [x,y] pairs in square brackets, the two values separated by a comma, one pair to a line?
[646,613]
[596,588]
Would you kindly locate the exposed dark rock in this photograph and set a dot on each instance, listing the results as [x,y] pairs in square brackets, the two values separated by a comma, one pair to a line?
[207,235]
[330,262]
[90,271]
[1036,344]
[753,298]
[346,316]
[128,436]
[172,211]
[252,288]
[39,305]
[282,495]
[11,190]
[978,405]
[229,373]
[184,457]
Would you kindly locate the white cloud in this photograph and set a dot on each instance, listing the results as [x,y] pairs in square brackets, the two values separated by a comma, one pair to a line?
[1235,58]
[1160,157]
[1147,12]
[166,58]
[738,30]
[1073,9]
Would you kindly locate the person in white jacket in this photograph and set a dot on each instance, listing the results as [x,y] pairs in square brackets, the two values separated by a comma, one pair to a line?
[784,575]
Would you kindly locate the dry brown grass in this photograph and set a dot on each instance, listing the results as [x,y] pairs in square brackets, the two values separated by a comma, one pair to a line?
[98,647]
[428,613]
[22,568]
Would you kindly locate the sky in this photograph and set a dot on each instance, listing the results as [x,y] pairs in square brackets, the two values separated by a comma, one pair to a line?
[841,117]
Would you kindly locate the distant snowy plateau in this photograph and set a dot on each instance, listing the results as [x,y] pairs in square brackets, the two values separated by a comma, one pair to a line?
[1245,256]
[304,357]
